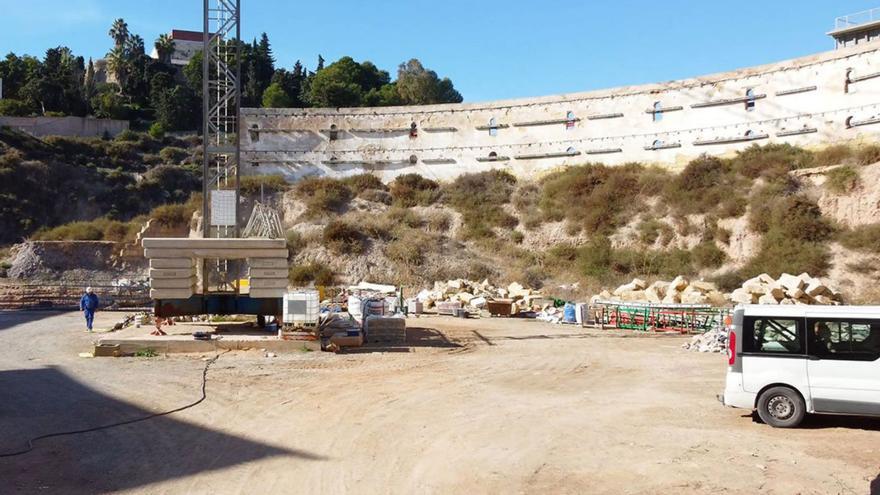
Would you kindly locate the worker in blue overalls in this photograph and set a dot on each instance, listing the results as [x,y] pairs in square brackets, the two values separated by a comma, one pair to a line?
[88,305]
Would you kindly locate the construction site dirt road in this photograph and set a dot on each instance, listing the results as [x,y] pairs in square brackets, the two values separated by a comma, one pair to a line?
[470,406]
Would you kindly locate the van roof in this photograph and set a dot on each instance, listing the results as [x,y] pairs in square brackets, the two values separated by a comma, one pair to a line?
[805,311]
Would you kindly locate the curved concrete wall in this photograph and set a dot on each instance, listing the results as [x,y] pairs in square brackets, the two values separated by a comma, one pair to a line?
[825,98]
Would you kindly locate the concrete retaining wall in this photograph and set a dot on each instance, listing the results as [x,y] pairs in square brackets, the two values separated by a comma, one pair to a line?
[65,126]
[820,99]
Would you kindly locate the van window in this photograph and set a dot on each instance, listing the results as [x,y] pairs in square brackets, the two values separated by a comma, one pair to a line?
[847,340]
[774,336]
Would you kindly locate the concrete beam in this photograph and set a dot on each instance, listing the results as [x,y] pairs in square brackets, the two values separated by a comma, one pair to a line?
[172,263]
[268,283]
[224,254]
[267,263]
[267,273]
[170,293]
[267,293]
[173,283]
[198,243]
[172,273]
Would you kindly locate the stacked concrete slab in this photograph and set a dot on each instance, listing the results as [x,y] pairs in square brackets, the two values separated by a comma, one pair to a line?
[385,330]
[173,262]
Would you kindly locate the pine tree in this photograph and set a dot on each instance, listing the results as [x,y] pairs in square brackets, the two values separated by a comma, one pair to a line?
[320,63]
[89,83]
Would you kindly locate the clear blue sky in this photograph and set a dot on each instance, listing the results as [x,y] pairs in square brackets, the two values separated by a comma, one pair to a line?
[491,49]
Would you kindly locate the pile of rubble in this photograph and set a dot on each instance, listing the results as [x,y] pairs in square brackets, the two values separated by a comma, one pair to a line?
[477,295]
[714,340]
[788,289]
[678,291]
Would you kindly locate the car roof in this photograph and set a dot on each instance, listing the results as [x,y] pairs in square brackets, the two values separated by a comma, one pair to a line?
[805,311]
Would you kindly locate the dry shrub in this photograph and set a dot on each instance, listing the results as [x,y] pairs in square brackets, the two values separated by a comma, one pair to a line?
[703,185]
[868,154]
[254,185]
[317,273]
[591,197]
[842,180]
[410,190]
[361,183]
[438,221]
[834,155]
[480,198]
[323,195]
[343,238]
[864,238]
[771,161]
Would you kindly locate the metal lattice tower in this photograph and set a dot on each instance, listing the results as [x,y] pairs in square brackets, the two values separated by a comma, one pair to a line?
[221,103]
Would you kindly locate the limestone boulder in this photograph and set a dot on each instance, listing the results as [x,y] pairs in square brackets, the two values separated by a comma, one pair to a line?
[791,282]
[768,299]
[743,296]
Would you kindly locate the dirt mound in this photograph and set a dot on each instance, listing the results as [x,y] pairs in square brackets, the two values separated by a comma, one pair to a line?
[67,260]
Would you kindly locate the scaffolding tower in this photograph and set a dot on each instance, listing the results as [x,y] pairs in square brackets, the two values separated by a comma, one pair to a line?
[221,103]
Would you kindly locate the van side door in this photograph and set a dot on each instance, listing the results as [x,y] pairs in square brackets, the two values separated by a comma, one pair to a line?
[844,365]
[774,352]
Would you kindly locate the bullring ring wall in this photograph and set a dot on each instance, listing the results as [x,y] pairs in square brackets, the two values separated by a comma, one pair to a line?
[816,100]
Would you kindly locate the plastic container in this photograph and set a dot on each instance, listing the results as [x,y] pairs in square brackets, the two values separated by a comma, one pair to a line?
[375,307]
[301,308]
[355,308]
[569,313]
[415,307]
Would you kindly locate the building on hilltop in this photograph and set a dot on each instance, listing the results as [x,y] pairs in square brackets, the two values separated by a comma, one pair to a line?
[186,45]
[853,29]
[825,98]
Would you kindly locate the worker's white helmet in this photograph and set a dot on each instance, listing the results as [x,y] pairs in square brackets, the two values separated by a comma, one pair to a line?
[88,290]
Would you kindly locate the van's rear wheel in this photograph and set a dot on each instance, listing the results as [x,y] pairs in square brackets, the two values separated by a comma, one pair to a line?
[781,407]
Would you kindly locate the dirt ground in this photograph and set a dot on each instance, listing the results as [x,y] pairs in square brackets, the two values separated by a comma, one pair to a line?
[470,406]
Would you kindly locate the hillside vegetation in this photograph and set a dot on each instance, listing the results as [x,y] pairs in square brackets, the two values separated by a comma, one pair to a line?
[723,219]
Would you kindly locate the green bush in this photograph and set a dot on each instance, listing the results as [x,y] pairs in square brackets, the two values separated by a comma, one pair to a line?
[410,190]
[14,108]
[405,216]
[842,180]
[128,136]
[480,198]
[344,239]
[323,195]
[101,229]
[157,130]
[729,281]
[176,215]
[254,185]
[862,238]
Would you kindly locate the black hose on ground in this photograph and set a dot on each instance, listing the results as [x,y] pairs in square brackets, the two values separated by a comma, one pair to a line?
[30,442]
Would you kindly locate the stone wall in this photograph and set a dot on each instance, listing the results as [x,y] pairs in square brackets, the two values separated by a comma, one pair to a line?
[824,98]
[65,126]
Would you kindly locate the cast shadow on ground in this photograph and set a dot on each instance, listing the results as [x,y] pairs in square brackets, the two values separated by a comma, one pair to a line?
[875,486]
[42,401]
[826,421]
[10,319]
[415,337]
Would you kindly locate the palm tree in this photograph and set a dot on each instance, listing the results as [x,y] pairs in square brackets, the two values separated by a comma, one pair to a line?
[119,32]
[119,65]
[134,45]
[164,48]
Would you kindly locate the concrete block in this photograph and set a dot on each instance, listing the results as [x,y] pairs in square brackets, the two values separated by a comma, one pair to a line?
[795,293]
[775,290]
[269,283]
[198,243]
[172,273]
[679,283]
[791,282]
[173,283]
[743,296]
[817,288]
[693,297]
[172,263]
[170,293]
[267,293]
[766,279]
[660,286]
[825,300]
[703,286]
[226,254]
[673,298]
[652,294]
[767,299]
[755,286]
[267,263]
[267,273]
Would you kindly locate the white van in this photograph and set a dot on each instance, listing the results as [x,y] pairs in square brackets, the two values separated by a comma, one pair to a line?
[787,361]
